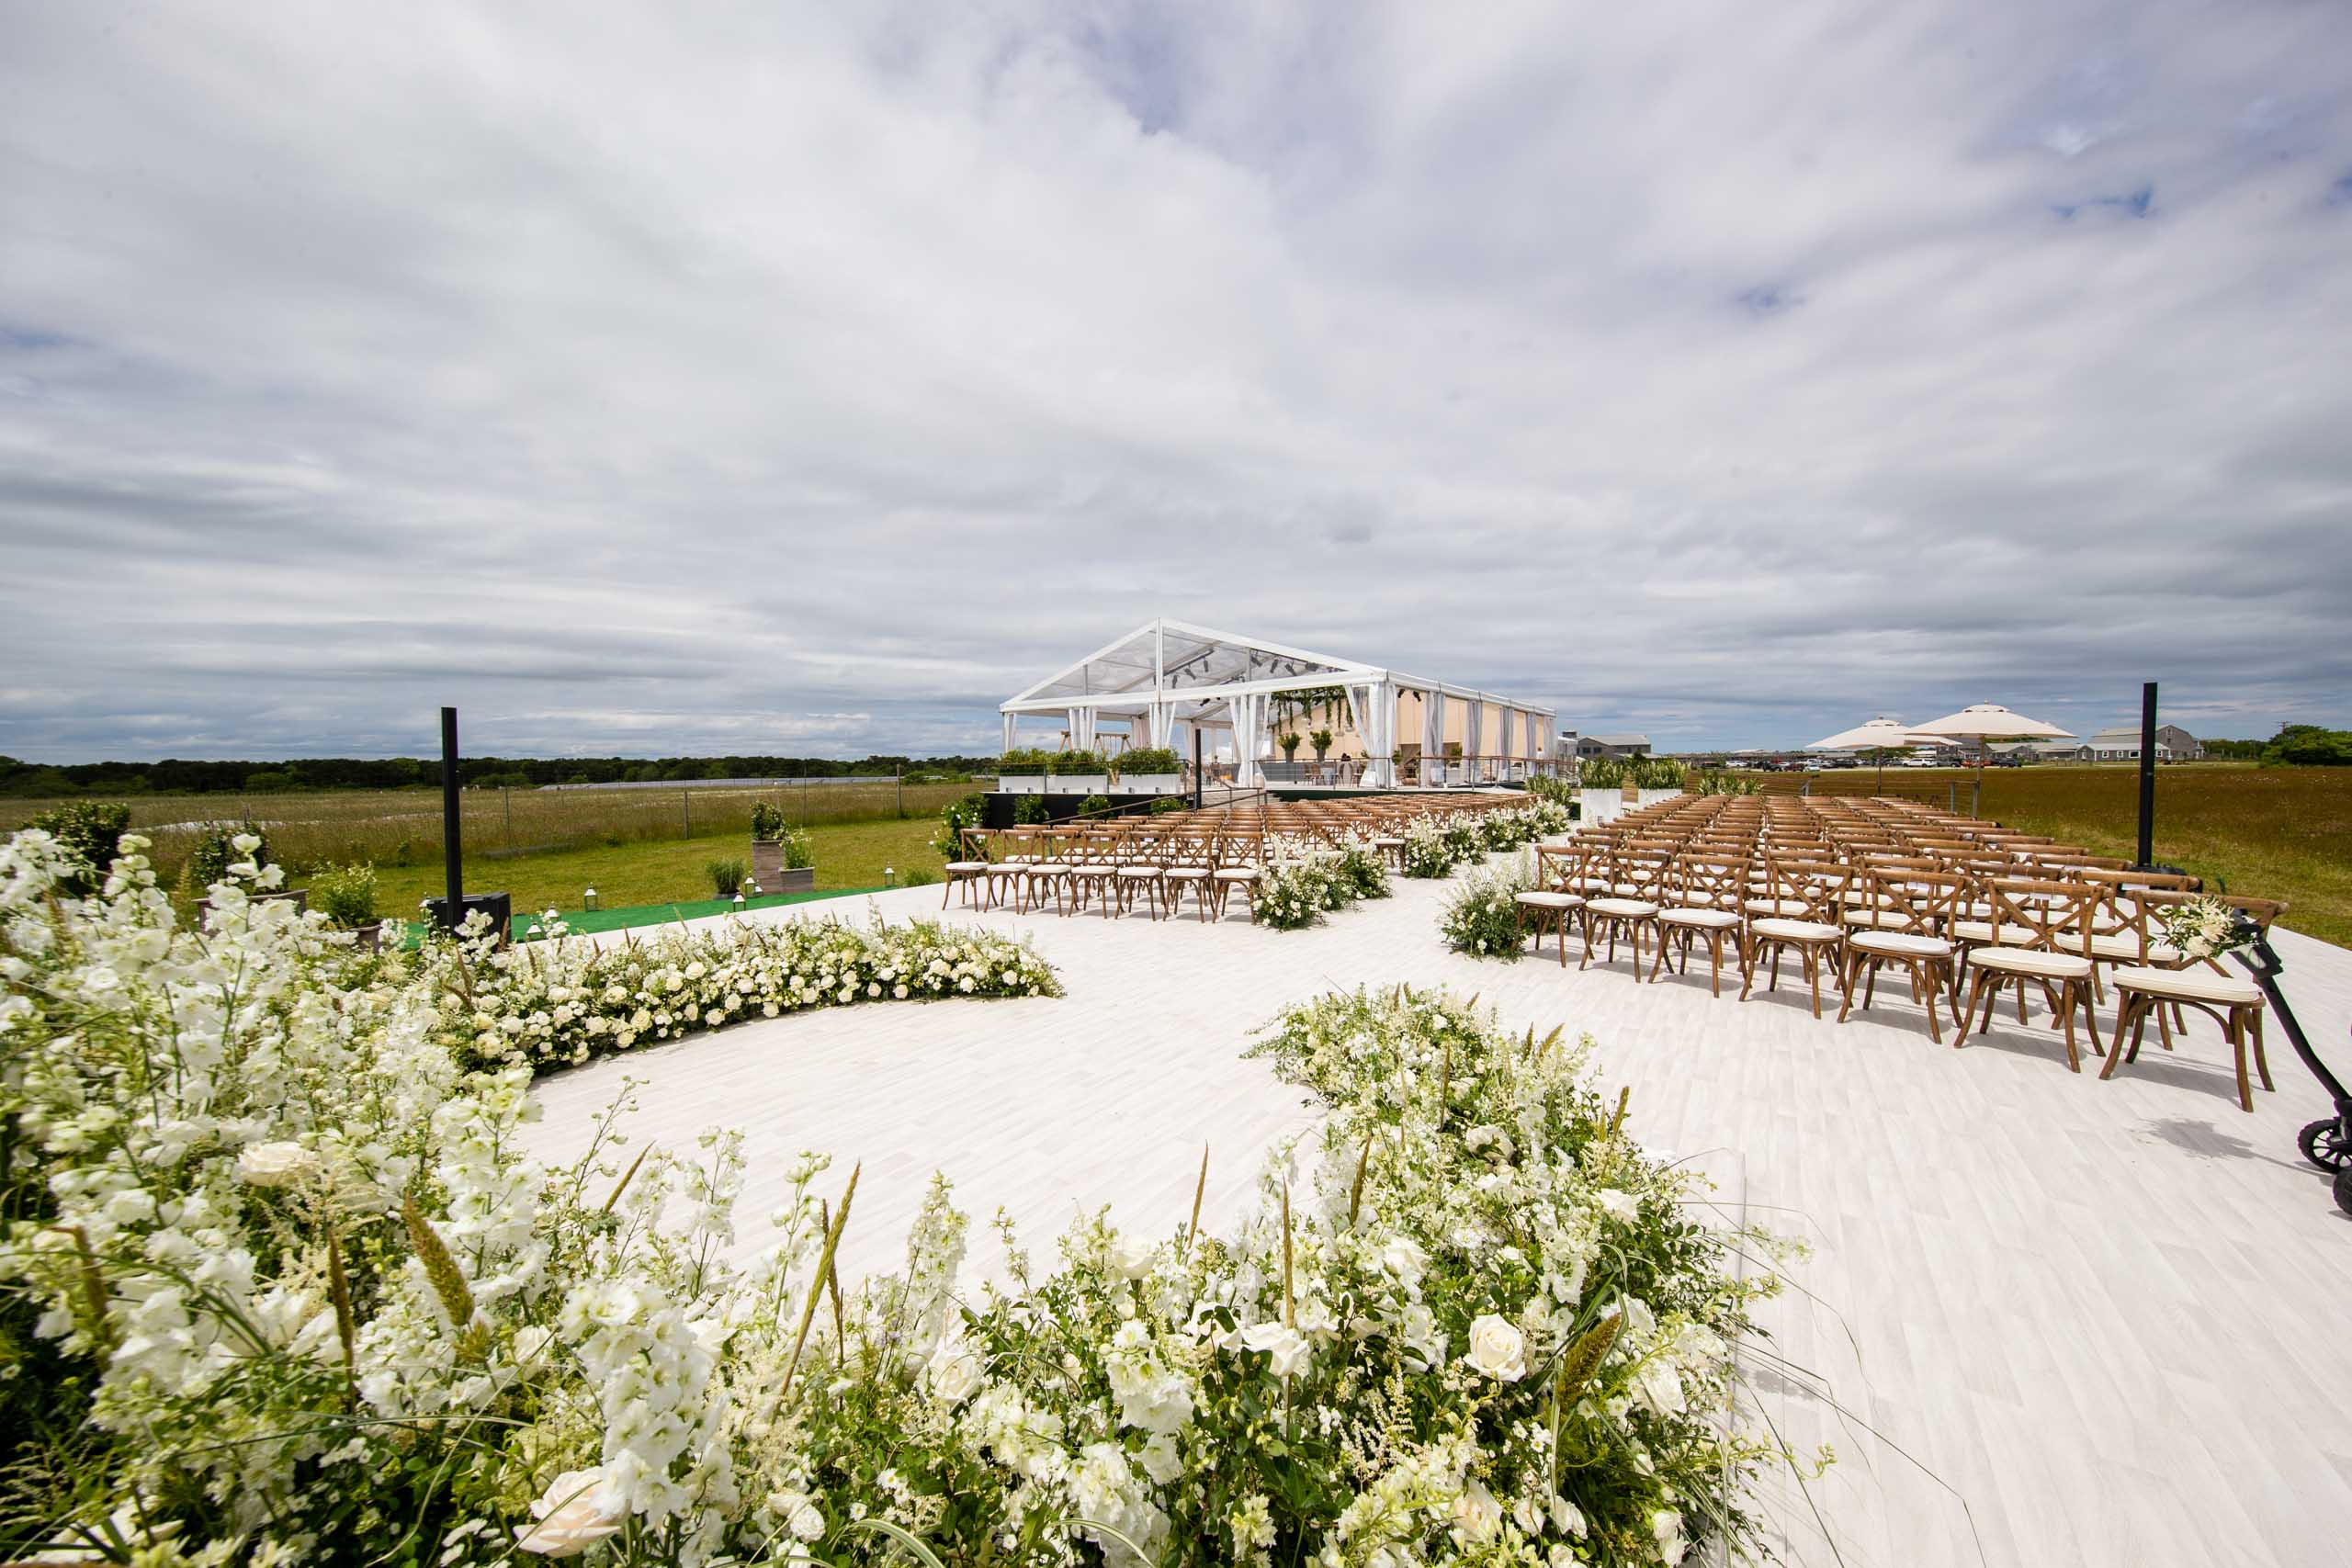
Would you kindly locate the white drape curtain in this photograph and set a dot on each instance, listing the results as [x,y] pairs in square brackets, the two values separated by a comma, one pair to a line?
[1432,735]
[1008,732]
[1535,737]
[1471,745]
[1375,707]
[1159,723]
[1247,713]
[1082,729]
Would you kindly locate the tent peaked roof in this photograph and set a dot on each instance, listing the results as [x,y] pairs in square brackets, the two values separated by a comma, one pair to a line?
[1178,662]
[1178,656]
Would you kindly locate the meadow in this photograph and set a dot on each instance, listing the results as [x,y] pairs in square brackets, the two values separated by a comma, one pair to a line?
[2278,833]
[400,830]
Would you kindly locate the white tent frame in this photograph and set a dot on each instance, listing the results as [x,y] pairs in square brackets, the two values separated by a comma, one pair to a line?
[1157,696]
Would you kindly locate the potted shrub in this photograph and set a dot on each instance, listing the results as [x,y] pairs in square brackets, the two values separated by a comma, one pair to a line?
[1600,786]
[772,862]
[1321,742]
[1079,772]
[214,851]
[1022,772]
[1288,741]
[346,896]
[1150,770]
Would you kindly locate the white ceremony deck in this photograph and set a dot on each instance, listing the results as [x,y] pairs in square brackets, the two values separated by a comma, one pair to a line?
[2110,1317]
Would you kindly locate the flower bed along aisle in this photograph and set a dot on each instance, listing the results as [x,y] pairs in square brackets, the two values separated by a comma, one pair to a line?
[280,1286]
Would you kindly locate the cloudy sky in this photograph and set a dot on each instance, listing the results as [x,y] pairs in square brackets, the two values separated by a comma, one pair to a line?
[711,377]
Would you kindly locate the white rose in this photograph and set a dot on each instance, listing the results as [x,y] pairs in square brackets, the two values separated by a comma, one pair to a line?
[275,1165]
[799,1513]
[1131,1256]
[1497,1348]
[1624,1205]
[1567,1518]
[578,1510]
[1666,1525]
[1161,1460]
[1476,1513]
[1285,1347]
[955,1372]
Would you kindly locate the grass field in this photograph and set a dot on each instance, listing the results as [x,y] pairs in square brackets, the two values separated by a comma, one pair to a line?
[849,855]
[2270,832]
[402,829]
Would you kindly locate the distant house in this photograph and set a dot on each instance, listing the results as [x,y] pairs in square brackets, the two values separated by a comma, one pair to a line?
[1611,746]
[2049,750]
[2121,743]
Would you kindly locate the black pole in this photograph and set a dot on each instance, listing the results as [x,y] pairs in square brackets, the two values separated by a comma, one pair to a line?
[1196,767]
[2147,775]
[452,855]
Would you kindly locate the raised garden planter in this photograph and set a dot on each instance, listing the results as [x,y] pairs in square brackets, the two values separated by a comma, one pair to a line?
[1021,783]
[772,875]
[1082,784]
[1150,784]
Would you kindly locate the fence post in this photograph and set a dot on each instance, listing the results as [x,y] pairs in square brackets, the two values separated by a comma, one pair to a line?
[899,772]
[686,806]
[506,798]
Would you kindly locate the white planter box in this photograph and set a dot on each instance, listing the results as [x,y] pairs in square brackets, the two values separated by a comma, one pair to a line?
[1150,784]
[1599,804]
[1082,784]
[1652,796]
[1022,784]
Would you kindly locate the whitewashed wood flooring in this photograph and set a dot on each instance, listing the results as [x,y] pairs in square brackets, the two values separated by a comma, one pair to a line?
[2058,1321]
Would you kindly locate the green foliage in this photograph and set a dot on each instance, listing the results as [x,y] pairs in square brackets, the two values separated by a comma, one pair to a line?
[1167,804]
[1030,810]
[2309,746]
[767,820]
[953,817]
[1288,740]
[799,850]
[345,895]
[1545,787]
[726,876]
[89,830]
[1321,741]
[918,877]
[1149,760]
[1722,781]
[1034,759]
[1094,806]
[1658,773]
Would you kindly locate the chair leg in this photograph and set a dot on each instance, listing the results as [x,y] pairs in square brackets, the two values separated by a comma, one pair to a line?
[2261,1063]
[1931,977]
[1854,962]
[2066,998]
[2236,1037]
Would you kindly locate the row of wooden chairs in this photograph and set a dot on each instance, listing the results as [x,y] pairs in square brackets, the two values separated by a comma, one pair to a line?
[1855,888]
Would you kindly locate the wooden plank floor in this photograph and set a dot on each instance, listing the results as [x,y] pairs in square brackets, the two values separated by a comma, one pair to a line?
[2058,1320]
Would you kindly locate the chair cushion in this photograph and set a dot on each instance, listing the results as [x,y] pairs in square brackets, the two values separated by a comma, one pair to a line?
[1237,874]
[1048,868]
[1972,930]
[2121,947]
[1545,901]
[1791,906]
[2199,985]
[1628,908]
[1187,873]
[1900,944]
[2028,961]
[1140,873]
[1875,918]
[1795,930]
[967,868]
[1702,919]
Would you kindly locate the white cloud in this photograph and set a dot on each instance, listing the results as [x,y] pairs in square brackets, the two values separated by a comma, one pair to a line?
[758,378]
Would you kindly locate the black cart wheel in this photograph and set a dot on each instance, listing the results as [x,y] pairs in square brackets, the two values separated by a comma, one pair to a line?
[2343,1189]
[2327,1145]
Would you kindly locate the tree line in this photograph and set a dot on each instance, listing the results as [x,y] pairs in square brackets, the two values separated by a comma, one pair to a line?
[2295,745]
[182,776]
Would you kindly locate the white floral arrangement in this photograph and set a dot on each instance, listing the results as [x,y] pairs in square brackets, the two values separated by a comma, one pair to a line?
[563,1002]
[2205,928]
[1428,852]
[1482,919]
[295,1292]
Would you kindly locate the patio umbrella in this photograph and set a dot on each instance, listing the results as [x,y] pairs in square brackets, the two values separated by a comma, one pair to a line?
[1881,735]
[1983,722]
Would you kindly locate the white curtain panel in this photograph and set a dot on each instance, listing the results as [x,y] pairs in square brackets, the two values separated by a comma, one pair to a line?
[1471,745]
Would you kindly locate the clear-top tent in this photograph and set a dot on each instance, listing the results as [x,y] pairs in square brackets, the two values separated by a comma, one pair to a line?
[1171,680]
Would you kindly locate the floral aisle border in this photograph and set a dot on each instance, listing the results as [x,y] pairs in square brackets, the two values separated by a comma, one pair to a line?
[285,1286]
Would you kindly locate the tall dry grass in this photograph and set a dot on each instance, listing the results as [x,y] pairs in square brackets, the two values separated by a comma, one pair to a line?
[395,828]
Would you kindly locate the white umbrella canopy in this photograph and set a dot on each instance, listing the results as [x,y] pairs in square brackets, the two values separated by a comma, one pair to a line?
[1879,734]
[1982,722]
[1991,721]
